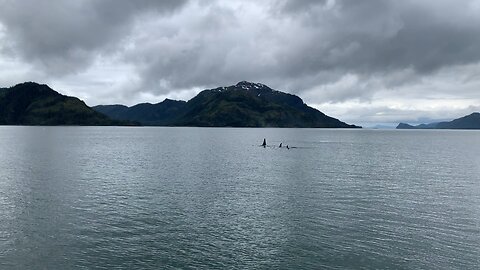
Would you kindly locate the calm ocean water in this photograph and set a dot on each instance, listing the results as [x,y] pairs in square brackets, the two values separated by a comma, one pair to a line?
[194,198]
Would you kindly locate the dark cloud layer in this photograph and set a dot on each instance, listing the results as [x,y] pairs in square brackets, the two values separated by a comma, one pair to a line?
[64,36]
[331,52]
[381,35]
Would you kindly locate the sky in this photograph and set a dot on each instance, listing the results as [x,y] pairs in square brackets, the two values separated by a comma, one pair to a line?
[369,62]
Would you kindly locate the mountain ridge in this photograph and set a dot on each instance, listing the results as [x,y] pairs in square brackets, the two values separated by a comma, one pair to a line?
[245,104]
[160,114]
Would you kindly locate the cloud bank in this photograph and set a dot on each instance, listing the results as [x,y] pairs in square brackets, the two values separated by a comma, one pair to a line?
[369,61]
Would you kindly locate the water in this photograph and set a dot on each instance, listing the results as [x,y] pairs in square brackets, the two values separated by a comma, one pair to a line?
[187,198]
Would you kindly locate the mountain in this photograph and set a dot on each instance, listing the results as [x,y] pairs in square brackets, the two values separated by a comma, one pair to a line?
[160,114]
[37,104]
[242,105]
[405,126]
[471,121]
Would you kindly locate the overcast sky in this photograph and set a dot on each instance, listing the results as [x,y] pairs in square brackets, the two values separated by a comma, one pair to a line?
[365,62]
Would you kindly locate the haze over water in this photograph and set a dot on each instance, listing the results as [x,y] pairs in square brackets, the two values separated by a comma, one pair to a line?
[106,197]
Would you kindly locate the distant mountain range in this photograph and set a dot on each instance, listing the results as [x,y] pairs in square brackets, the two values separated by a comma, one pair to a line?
[160,114]
[242,105]
[471,121]
[37,104]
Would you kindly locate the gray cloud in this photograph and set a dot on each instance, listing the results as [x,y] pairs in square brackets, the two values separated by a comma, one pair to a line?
[64,36]
[378,36]
[313,40]
[329,52]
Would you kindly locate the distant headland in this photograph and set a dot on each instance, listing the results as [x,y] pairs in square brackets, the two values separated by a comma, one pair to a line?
[37,104]
[471,121]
